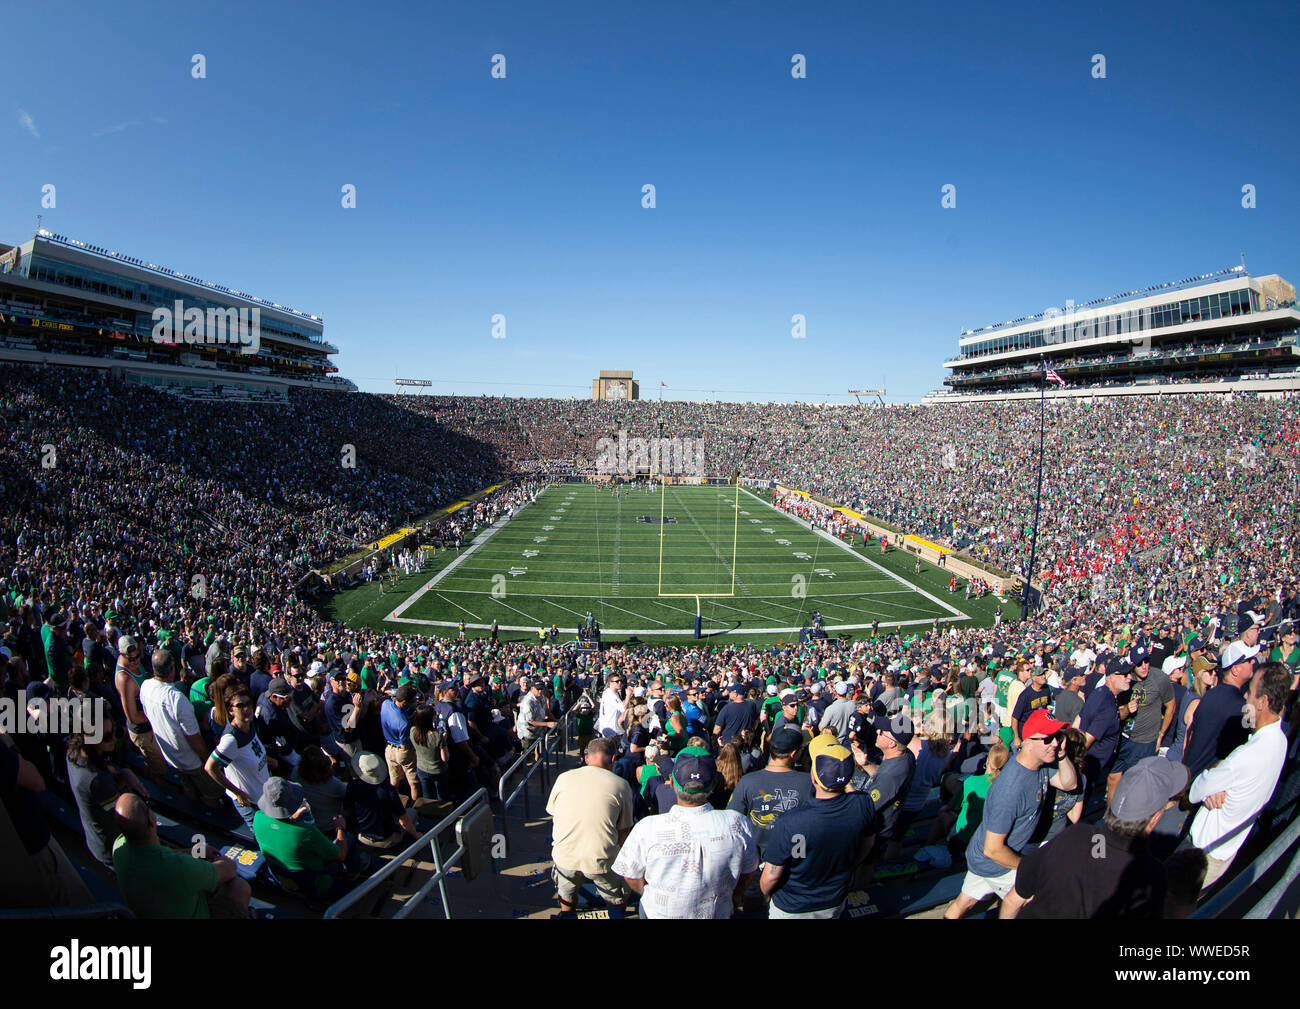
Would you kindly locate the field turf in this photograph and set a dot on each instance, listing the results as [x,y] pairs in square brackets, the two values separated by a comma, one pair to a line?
[579,548]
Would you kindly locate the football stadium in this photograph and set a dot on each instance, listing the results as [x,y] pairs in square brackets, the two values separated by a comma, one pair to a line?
[389,619]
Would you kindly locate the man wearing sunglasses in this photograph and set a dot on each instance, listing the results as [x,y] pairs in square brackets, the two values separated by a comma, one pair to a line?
[1011,812]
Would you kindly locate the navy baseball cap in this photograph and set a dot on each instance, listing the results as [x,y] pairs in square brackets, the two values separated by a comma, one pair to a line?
[900,727]
[1117,665]
[1138,655]
[694,770]
[786,739]
[1197,644]
[832,766]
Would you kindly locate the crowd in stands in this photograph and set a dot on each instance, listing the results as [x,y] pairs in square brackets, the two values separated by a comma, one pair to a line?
[150,550]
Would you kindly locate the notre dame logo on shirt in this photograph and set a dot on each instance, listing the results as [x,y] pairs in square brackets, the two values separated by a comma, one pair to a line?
[875,795]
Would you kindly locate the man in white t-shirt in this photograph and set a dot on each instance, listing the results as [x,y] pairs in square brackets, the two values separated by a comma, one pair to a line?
[611,709]
[1083,656]
[1236,789]
[176,729]
[693,861]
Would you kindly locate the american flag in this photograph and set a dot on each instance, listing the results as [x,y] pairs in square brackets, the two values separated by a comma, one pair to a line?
[1052,376]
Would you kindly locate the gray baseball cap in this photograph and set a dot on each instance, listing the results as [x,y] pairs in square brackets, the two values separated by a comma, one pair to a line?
[1146,787]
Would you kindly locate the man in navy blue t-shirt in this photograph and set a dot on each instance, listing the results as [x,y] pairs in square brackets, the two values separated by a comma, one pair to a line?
[1218,727]
[1099,720]
[735,717]
[815,848]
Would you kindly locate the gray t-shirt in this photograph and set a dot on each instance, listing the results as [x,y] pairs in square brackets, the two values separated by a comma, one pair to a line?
[1066,706]
[888,700]
[1147,700]
[837,718]
[1012,808]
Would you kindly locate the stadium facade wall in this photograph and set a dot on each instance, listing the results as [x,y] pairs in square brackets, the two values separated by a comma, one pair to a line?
[1271,387]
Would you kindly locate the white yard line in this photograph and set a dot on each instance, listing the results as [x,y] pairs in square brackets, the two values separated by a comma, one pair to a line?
[458,606]
[606,602]
[956,614]
[536,622]
[465,555]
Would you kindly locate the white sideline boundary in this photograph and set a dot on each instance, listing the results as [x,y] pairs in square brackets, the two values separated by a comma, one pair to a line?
[429,586]
[483,537]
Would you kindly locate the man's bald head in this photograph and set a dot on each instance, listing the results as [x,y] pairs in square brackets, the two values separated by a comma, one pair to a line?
[134,819]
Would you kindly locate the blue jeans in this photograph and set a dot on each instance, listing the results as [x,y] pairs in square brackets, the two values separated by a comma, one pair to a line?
[246,813]
[1130,753]
[434,786]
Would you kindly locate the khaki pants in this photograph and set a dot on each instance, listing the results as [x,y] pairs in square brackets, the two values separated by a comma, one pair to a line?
[145,742]
[1217,867]
[401,764]
[609,885]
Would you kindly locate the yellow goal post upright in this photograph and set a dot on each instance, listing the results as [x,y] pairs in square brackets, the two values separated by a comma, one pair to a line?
[735,536]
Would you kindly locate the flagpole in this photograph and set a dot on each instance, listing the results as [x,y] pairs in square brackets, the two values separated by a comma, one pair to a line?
[1038,496]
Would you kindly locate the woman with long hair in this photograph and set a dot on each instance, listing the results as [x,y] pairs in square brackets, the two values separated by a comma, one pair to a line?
[238,763]
[429,763]
[675,727]
[1198,685]
[966,811]
[729,774]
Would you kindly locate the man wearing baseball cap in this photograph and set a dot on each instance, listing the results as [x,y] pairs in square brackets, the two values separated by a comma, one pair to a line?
[1103,870]
[1217,726]
[815,849]
[1011,812]
[693,861]
[767,794]
[1100,720]
[1148,708]
[891,780]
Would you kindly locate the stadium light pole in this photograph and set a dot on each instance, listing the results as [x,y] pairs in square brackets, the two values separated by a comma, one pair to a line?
[1027,594]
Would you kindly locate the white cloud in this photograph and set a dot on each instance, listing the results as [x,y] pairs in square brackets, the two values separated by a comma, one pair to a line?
[27,123]
[116,128]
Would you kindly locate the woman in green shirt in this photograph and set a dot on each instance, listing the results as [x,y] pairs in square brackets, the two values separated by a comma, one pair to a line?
[1287,652]
[675,727]
[430,766]
[965,812]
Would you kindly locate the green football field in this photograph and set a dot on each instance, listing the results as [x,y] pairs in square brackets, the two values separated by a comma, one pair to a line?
[756,572]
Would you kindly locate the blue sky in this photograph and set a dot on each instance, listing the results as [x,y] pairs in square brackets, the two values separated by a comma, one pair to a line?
[775,196]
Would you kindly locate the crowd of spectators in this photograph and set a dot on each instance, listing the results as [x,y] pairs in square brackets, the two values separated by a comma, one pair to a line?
[151,550]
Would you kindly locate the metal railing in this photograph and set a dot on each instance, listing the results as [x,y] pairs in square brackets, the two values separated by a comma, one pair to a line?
[552,746]
[1249,875]
[536,747]
[441,866]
